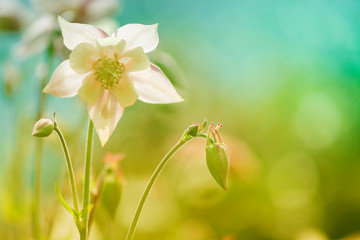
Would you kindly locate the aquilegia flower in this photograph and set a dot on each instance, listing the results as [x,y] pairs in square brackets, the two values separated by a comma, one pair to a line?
[110,72]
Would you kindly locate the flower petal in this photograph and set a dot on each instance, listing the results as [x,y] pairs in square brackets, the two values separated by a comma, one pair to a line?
[75,33]
[153,86]
[105,115]
[109,41]
[82,57]
[64,81]
[135,60]
[110,50]
[90,90]
[125,92]
[139,35]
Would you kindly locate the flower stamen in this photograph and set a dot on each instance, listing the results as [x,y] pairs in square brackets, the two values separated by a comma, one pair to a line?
[108,72]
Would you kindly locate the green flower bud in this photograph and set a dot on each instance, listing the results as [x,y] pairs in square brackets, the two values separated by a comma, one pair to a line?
[217,158]
[111,192]
[43,128]
[193,130]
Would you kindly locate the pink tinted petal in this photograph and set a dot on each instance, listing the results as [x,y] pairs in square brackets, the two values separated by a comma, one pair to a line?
[64,81]
[153,86]
[111,51]
[139,35]
[105,114]
[83,57]
[135,60]
[90,90]
[125,92]
[75,33]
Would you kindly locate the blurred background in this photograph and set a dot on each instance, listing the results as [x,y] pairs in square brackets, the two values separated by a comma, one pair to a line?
[281,76]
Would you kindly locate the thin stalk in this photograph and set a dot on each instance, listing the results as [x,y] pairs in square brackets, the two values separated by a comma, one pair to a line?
[69,167]
[39,152]
[37,199]
[156,173]
[88,157]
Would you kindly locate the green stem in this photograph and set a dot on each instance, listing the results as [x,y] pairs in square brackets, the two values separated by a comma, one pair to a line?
[38,152]
[88,157]
[37,199]
[69,167]
[159,168]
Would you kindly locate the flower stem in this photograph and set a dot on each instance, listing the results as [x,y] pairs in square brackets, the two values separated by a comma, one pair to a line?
[39,152]
[156,173]
[37,199]
[69,167]
[88,158]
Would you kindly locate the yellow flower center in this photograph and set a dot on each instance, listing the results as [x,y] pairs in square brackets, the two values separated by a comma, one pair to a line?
[108,72]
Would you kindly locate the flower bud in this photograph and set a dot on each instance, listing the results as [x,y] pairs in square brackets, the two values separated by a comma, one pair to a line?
[194,130]
[111,192]
[43,128]
[217,158]
[110,184]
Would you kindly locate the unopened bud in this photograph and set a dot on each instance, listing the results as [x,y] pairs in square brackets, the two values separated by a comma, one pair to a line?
[217,158]
[194,130]
[43,128]
[110,183]
[111,192]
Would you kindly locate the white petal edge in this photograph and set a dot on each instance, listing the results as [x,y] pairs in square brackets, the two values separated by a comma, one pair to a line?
[153,86]
[105,114]
[75,33]
[139,35]
[64,82]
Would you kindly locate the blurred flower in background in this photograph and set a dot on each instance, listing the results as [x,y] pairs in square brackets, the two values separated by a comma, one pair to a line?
[45,29]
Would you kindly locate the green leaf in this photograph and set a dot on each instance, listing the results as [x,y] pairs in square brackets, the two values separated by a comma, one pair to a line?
[81,214]
[64,203]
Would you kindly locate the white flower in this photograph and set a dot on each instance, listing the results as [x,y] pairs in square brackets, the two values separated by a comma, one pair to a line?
[110,72]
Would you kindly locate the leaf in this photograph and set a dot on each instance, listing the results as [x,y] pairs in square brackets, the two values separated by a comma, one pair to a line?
[81,214]
[64,203]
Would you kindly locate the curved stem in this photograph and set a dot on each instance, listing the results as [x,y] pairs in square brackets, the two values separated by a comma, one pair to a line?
[69,167]
[88,157]
[160,167]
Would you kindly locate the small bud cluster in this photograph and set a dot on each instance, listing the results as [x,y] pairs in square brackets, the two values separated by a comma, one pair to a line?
[194,130]
[217,157]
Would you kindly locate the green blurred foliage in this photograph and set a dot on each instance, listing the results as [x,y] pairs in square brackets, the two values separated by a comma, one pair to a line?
[281,76]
